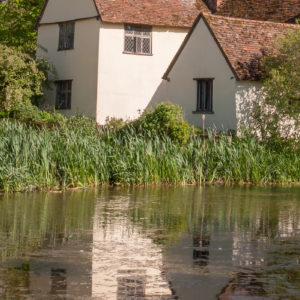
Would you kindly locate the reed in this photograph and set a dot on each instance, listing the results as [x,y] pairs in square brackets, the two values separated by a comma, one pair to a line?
[72,156]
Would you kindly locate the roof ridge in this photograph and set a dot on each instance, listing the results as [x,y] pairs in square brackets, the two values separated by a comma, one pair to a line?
[250,20]
[242,46]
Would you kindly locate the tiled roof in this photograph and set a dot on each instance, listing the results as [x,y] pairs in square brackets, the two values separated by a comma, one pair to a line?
[265,10]
[173,13]
[243,42]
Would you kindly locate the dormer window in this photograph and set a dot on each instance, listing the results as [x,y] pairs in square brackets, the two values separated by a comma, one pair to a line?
[66,36]
[138,39]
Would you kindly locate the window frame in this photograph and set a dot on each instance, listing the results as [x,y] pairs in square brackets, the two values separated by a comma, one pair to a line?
[200,103]
[59,36]
[68,91]
[135,36]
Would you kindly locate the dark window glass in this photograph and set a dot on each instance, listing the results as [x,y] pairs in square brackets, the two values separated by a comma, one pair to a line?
[137,39]
[66,36]
[63,94]
[204,95]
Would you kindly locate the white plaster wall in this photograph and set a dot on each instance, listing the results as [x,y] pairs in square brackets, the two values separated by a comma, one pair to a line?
[64,10]
[79,64]
[201,58]
[127,82]
[247,93]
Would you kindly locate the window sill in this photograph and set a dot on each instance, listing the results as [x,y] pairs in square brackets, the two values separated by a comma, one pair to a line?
[140,54]
[65,49]
[202,112]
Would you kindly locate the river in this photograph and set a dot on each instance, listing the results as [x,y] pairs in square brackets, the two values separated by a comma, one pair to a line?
[190,242]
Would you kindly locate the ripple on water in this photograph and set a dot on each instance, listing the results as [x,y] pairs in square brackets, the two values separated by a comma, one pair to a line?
[232,243]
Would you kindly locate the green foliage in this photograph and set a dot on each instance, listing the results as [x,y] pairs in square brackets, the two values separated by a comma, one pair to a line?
[33,114]
[78,156]
[115,124]
[165,119]
[278,112]
[17,20]
[83,125]
[21,79]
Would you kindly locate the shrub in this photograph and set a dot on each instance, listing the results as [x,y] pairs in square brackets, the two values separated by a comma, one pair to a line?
[165,119]
[115,124]
[34,114]
[21,79]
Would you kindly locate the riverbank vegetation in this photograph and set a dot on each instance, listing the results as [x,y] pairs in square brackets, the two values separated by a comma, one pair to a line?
[78,153]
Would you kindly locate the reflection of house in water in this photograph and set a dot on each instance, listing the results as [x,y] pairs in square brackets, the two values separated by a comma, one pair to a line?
[288,223]
[126,263]
[251,247]
[56,274]
[247,250]
[201,250]
[112,257]
[131,283]
[112,260]
[58,281]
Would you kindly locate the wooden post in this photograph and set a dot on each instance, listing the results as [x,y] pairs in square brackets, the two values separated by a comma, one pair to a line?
[203,125]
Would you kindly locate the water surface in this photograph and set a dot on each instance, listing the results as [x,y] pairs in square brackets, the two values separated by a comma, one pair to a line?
[152,243]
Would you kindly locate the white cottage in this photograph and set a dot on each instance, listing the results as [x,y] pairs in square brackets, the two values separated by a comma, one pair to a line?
[110,55]
[216,71]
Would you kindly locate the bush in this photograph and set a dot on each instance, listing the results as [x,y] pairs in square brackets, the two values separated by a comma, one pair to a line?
[21,79]
[34,114]
[165,119]
[115,124]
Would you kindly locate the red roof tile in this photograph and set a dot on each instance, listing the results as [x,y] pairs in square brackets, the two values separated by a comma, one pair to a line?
[265,10]
[243,42]
[173,13]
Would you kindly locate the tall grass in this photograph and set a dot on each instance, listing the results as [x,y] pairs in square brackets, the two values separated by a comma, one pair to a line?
[72,156]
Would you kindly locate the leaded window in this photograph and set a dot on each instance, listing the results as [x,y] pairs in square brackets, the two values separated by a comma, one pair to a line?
[63,94]
[66,36]
[204,95]
[138,39]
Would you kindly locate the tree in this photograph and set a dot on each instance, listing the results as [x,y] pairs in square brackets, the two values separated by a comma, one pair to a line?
[21,79]
[17,21]
[278,112]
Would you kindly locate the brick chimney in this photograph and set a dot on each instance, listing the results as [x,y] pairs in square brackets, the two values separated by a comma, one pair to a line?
[213,5]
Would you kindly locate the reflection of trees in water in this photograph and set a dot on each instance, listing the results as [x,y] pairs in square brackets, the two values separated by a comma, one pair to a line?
[31,221]
[254,210]
[279,277]
[243,286]
[283,268]
[253,216]
[14,281]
